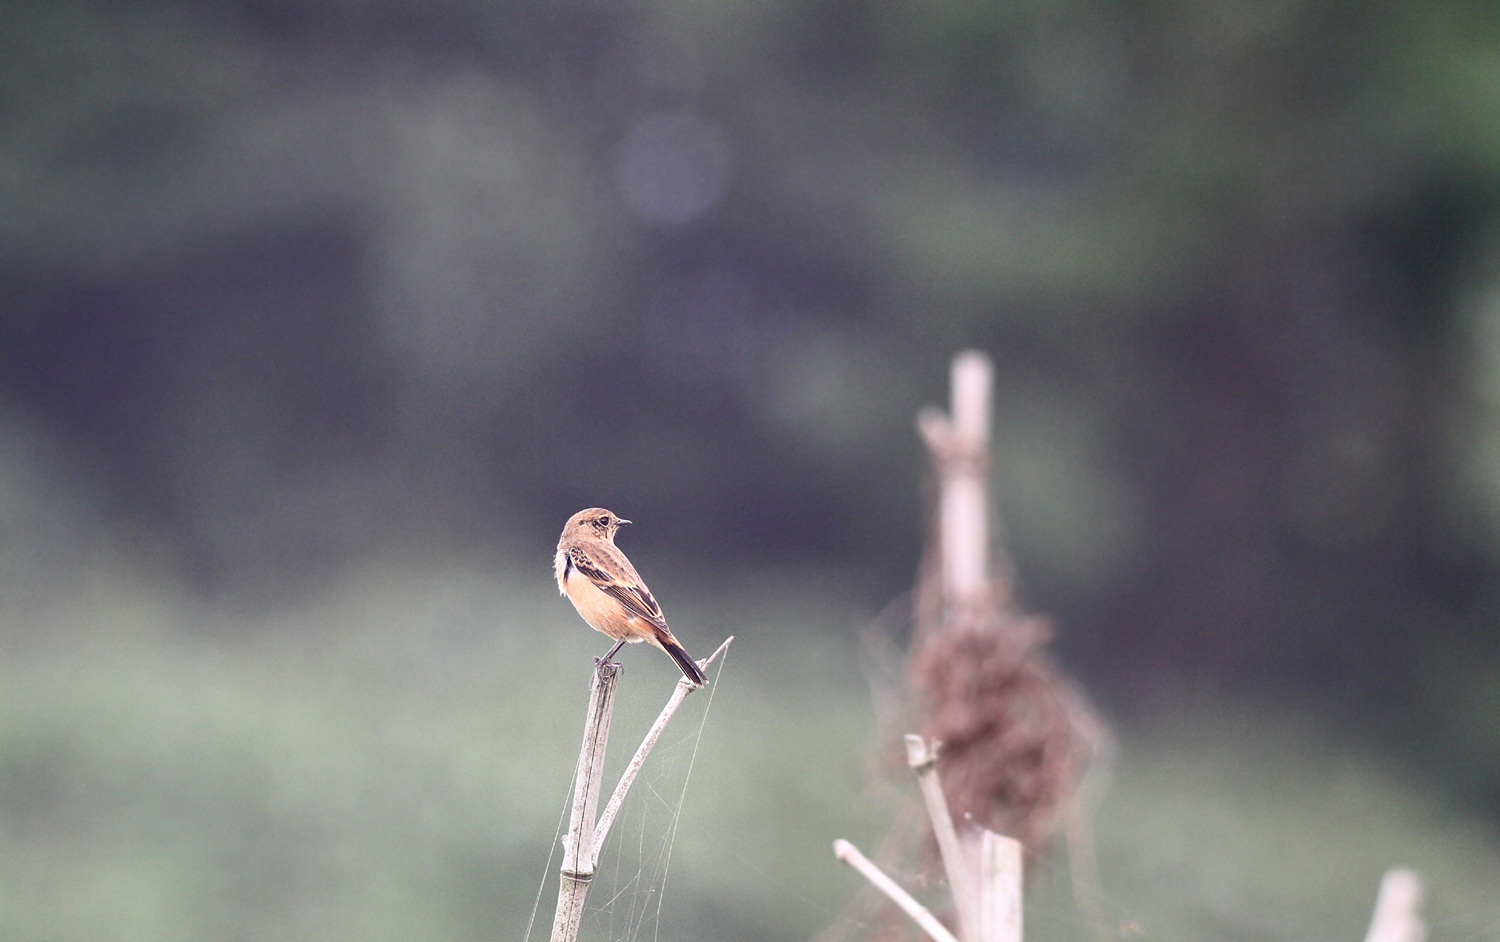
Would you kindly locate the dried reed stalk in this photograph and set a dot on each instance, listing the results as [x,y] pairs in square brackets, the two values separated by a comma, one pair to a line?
[582,843]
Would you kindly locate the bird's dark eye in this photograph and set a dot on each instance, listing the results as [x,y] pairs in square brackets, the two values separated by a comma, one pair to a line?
[603,521]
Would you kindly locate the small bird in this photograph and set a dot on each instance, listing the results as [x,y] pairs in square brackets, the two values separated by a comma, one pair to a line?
[609,594]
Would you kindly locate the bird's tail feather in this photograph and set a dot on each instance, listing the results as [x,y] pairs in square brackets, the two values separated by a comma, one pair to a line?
[678,653]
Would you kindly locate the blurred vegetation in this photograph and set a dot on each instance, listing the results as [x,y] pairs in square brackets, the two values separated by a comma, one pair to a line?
[318,319]
[390,758]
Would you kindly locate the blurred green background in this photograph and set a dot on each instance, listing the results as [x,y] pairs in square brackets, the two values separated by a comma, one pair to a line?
[317,320]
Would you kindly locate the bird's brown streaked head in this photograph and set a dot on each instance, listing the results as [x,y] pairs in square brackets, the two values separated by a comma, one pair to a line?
[595,522]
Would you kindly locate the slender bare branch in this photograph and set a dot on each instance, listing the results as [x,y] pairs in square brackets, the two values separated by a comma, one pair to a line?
[923,760]
[850,855]
[627,778]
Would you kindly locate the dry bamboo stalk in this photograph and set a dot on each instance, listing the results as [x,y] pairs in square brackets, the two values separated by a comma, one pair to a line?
[999,887]
[960,449]
[1397,915]
[578,849]
[923,761]
[850,855]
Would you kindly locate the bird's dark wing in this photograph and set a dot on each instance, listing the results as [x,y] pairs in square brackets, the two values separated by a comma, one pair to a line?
[613,574]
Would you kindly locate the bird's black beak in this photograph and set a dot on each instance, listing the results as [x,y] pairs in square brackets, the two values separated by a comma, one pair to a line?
[620,522]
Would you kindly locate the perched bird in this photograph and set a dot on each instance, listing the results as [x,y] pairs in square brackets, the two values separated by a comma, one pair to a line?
[609,594]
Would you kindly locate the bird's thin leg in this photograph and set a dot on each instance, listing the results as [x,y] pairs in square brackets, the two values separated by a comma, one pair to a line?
[605,659]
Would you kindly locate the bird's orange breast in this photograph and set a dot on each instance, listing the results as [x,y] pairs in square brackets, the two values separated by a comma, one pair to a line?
[602,611]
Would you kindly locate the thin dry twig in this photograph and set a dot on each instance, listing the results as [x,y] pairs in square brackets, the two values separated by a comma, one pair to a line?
[850,855]
[922,757]
[627,778]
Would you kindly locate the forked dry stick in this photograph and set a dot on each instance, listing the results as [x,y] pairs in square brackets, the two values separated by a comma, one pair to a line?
[583,841]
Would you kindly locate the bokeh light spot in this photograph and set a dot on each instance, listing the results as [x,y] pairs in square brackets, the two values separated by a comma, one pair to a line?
[671,167]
